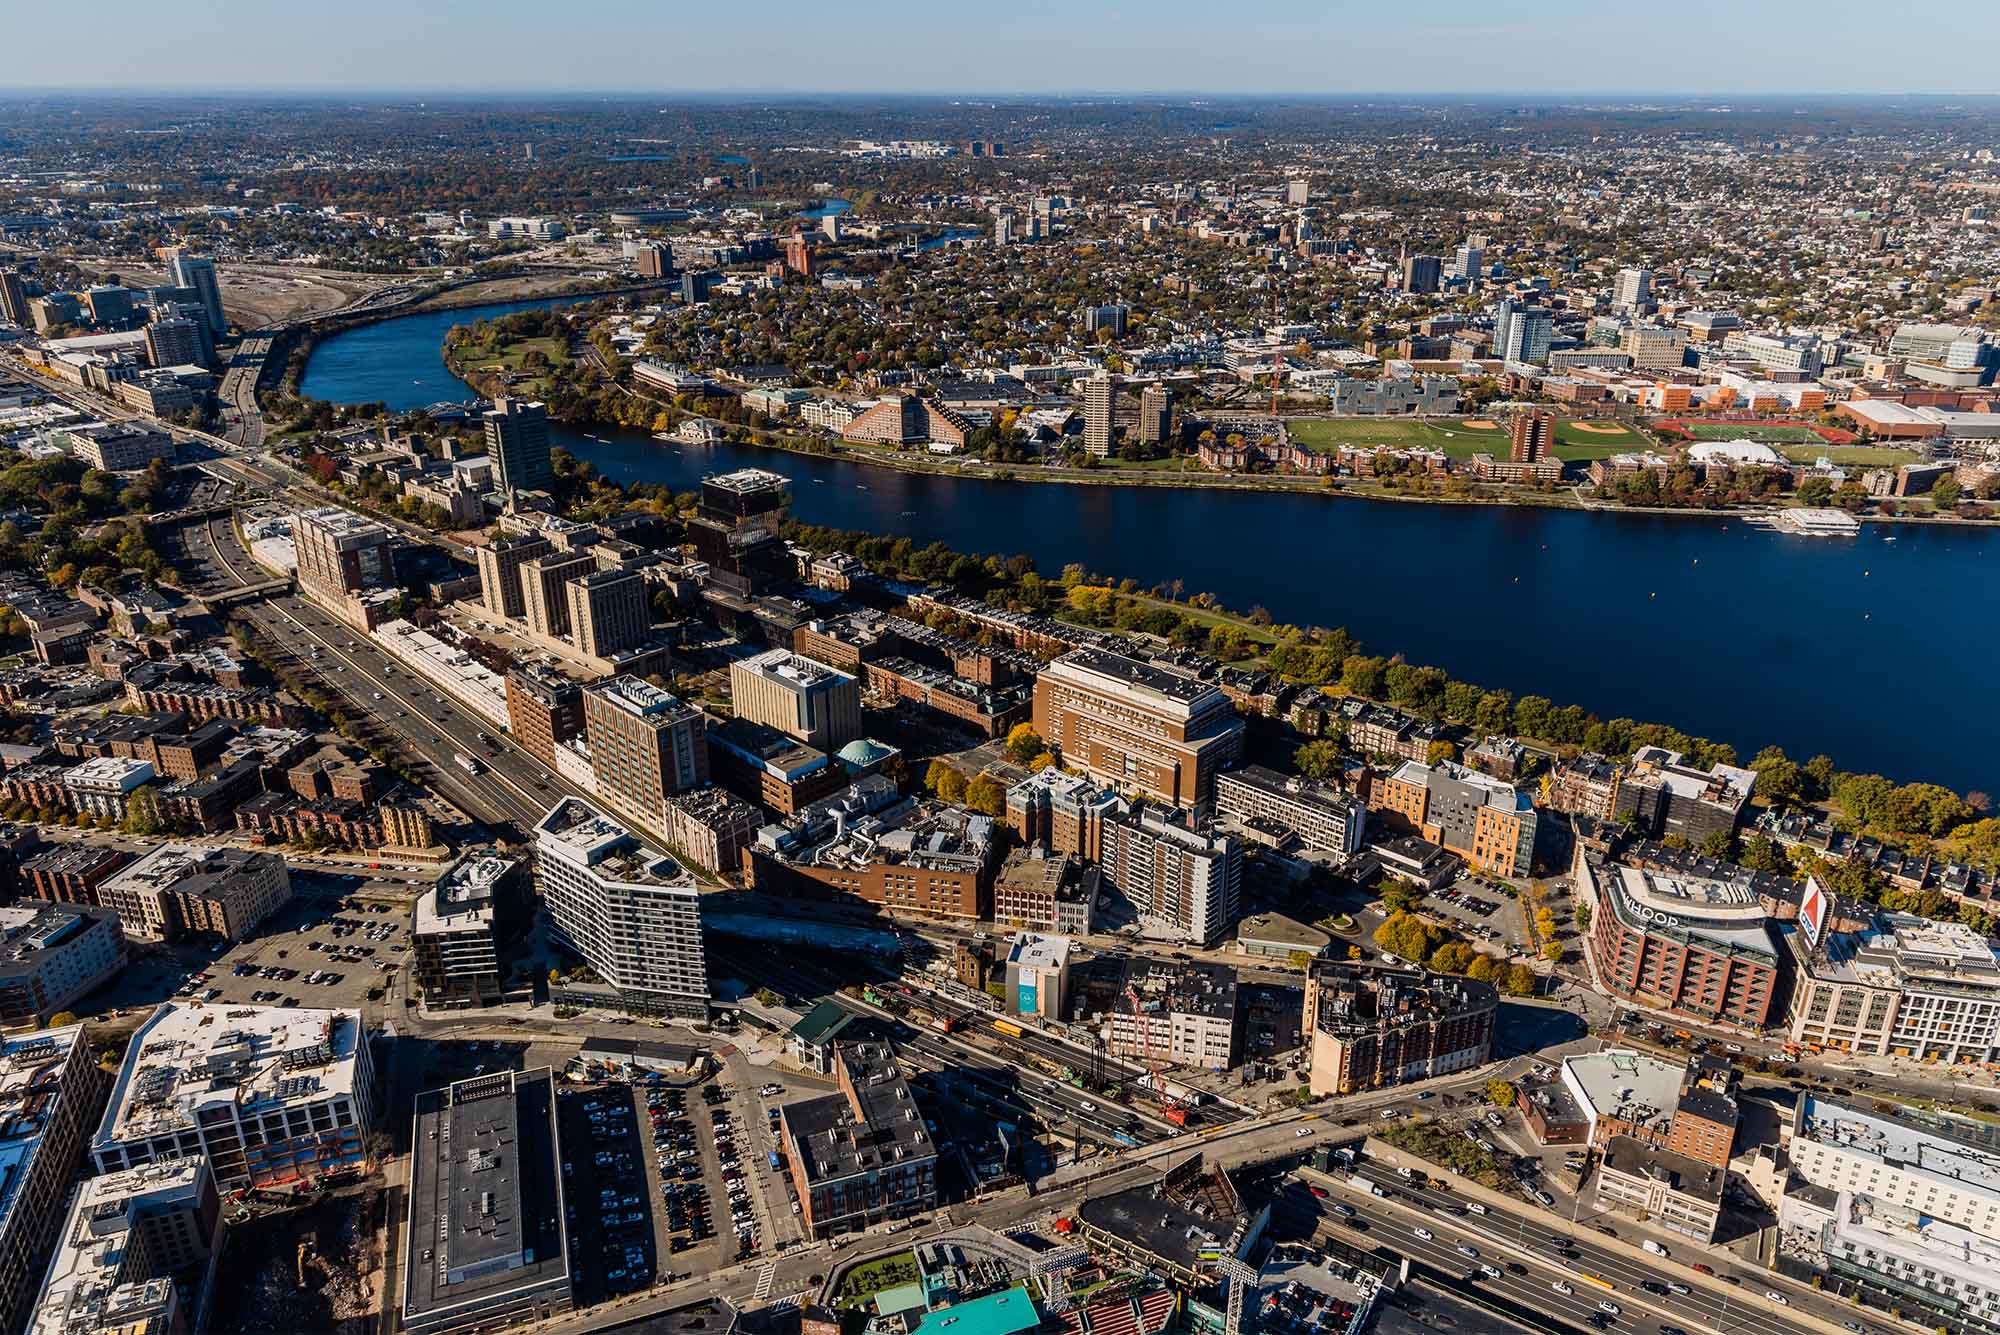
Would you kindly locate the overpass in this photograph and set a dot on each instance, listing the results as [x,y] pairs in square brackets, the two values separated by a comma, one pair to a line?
[241,594]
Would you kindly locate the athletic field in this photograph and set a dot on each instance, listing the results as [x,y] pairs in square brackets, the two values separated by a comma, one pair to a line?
[1459,437]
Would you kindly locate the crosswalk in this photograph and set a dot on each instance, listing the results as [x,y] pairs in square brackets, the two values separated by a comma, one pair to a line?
[764,1278]
[786,1303]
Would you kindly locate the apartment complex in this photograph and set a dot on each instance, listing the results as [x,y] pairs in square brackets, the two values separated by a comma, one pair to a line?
[860,1156]
[1063,813]
[502,563]
[735,530]
[1137,726]
[52,955]
[1661,794]
[459,925]
[544,707]
[632,913]
[517,440]
[485,1238]
[197,889]
[807,701]
[343,558]
[1323,819]
[1904,986]
[711,827]
[1372,1028]
[1691,944]
[268,1094]
[1180,1014]
[49,1083]
[126,1239]
[610,611]
[906,856]
[1181,875]
[1040,891]
[645,746]
[1902,1202]
[1489,823]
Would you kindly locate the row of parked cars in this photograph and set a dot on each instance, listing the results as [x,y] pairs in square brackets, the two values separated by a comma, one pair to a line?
[620,1215]
[734,1180]
[678,1159]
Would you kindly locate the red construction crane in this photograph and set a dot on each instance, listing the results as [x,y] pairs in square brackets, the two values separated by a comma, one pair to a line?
[1170,1108]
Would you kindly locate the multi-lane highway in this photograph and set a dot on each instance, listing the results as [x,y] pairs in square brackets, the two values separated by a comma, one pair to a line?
[513,789]
[1536,1252]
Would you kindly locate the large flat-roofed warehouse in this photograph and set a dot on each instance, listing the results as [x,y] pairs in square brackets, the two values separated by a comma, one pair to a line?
[485,1242]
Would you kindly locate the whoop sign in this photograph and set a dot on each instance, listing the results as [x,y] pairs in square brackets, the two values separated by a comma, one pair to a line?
[1813,910]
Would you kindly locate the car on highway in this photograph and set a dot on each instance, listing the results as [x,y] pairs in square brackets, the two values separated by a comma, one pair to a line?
[1609,1308]
[1466,1249]
[1425,1234]
[1563,1288]
[1778,1298]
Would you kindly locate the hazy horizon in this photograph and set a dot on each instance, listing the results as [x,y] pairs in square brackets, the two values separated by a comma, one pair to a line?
[1039,48]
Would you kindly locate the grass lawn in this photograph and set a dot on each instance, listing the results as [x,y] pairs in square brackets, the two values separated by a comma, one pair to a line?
[1575,441]
[1771,433]
[885,1272]
[1853,456]
[510,355]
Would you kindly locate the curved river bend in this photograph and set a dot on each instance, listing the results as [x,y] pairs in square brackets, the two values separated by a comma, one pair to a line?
[1876,652]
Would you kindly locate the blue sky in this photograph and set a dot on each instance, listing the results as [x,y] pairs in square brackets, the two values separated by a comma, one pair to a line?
[1009,46]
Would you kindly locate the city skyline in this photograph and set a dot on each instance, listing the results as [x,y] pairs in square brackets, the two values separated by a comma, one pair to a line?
[1276,49]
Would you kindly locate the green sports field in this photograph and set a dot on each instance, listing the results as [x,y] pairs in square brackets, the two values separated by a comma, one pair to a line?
[1770,433]
[1849,456]
[1575,441]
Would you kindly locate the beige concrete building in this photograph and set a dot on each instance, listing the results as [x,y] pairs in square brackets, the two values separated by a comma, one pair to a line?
[805,700]
[1137,726]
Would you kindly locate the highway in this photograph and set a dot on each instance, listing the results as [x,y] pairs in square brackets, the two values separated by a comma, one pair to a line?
[1594,1270]
[514,788]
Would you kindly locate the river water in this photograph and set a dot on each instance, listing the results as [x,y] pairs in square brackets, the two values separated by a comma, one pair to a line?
[1876,652]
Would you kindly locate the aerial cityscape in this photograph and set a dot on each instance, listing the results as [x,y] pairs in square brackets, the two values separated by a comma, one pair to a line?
[858,682]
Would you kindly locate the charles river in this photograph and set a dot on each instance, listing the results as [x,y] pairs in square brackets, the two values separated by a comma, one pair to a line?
[1876,652]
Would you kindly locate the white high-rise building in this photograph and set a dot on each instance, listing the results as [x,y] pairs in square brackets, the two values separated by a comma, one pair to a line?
[198,272]
[631,912]
[1633,289]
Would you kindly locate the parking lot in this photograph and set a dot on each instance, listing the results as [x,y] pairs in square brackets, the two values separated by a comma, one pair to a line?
[324,949]
[1478,912]
[607,1206]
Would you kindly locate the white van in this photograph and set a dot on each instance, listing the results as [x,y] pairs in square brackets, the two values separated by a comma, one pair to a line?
[1654,1247]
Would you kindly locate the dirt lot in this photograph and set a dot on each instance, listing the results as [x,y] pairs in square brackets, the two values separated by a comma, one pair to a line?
[316,1269]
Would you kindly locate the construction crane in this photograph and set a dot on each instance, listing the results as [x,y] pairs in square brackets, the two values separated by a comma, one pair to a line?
[1171,1108]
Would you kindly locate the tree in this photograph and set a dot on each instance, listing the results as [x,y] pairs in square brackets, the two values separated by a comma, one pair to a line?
[1485,969]
[1451,957]
[1500,1093]
[61,1019]
[1945,492]
[986,797]
[1582,915]
[1553,952]
[1717,843]
[1520,981]
[1317,760]
[1439,752]
[1779,781]
[1407,936]
[1024,743]
[945,783]
[1816,491]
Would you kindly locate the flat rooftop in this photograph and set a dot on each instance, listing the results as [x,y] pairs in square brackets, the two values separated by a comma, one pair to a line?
[82,1289]
[196,869]
[747,481]
[1964,1152]
[187,1059]
[879,1132]
[1184,1212]
[575,829]
[790,670]
[1623,1083]
[30,927]
[1039,952]
[1690,1177]
[1147,678]
[638,697]
[463,896]
[486,1201]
